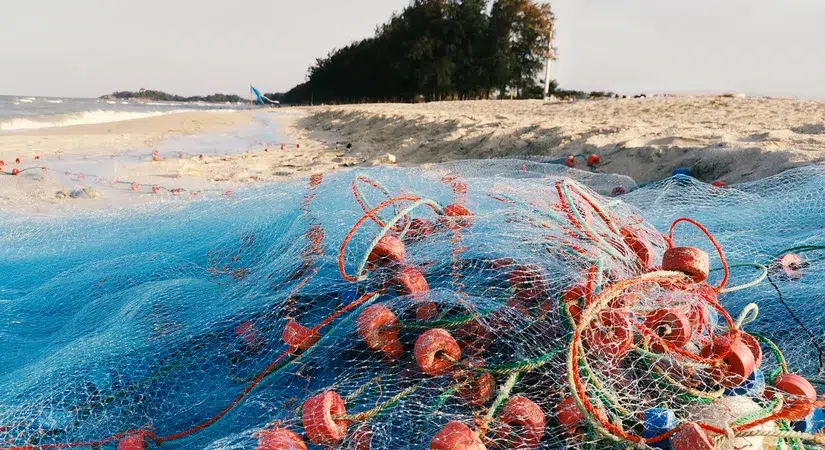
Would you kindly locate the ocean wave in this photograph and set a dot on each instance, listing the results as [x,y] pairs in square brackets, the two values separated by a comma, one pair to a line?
[54,101]
[84,118]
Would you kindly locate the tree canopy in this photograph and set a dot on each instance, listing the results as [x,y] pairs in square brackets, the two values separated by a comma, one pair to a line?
[438,50]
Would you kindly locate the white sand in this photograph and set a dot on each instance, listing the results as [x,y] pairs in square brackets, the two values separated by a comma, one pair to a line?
[733,139]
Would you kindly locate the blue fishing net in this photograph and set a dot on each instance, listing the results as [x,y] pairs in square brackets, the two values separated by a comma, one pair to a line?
[472,305]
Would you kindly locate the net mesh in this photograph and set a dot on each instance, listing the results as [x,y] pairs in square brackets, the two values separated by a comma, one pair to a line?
[490,304]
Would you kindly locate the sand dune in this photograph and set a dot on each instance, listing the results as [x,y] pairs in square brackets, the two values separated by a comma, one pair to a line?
[734,139]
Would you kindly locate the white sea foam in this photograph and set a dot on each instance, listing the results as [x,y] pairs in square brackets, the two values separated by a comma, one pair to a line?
[54,101]
[84,118]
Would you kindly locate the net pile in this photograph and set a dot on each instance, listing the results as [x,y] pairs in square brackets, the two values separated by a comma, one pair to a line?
[481,305]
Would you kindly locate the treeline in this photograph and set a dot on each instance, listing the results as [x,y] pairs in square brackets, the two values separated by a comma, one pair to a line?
[160,96]
[438,50]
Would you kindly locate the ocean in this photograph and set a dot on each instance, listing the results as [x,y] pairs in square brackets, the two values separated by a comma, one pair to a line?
[23,113]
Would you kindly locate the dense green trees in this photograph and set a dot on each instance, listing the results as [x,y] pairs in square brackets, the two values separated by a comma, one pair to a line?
[437,50]
[148,94]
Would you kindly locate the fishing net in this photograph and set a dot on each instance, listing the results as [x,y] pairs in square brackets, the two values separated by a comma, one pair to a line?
[476,305]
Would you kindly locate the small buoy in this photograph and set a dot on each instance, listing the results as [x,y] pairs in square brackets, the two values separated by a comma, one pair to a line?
[456,216]
[410,281]
[610,334]
[799,394]
[719,184]
[640,246]
[37,157]
[574,298]
[791,264]
[691,436]
[250,336]
[522,414]
[283,146]
[570,161]
[133,442]
[266,150]
[297,145]
[524,167]
[737,365]
[456,436]
[316,179]
[156,189]
[2,163]
[419,229]
[477,389]
[671,325]
[753,387]
[135,187]
[280,439]
[658,421]
[156,158]
[691,261]
[200,157]
[618,191]
[320,424]
[379,327]
[681,171]
[569,416]
[388,249]
[18,160]
[15,171]
[298,336]
[361,438]
[593,160]
[436,351]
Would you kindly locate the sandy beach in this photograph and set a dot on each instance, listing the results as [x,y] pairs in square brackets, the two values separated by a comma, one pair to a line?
[730,138]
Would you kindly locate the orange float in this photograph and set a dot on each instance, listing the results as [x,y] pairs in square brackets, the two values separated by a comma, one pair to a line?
[298,336]
[799,395]
[321,418]
[361,438]
[640,246]
[379,328]
[521,423]
[755,348]
[436,351]
[569,416]
[689,260]
[609,334]
[388,249]
[719,184]
[671,325]
[419,229]
[738,363]
[456,436]
[479,389]
[410,281]
[456,216]
[593,160]
[570,161]
[280,439]
[15,171]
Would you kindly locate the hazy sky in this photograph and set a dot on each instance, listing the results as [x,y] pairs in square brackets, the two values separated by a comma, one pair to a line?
[92,47]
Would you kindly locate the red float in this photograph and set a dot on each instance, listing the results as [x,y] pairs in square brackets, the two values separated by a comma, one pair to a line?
[792,265]
[671,325]
[37,157]
[361,438]
[738,363]
[388,249]
[298,336]
[610,334]
[755,348]
[570,161]
[280,439]
[410,281]
[379,328]
[719,184]
[640,246]
[799,395]
[133,442]
[593,160]
[436,351]
[691,436]
[689,260]
[569,416]
[456,436]
[18,160]
[250,336]
[479,389]
[419,229]
[521,423]
[15,171]
[321,417]
[283,146]
[456,216]
[574,298]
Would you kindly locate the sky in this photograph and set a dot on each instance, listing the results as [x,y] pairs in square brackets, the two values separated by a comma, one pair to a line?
[86,48]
